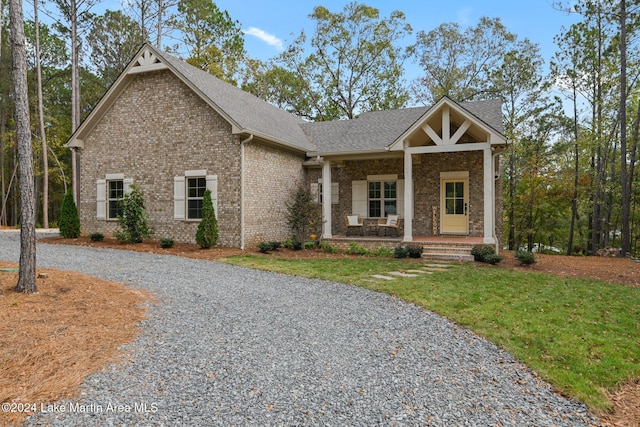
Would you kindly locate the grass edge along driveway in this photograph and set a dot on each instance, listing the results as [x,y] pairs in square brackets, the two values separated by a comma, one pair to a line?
[580,335]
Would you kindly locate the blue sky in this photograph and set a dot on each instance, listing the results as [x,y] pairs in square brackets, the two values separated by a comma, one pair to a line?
[271,25]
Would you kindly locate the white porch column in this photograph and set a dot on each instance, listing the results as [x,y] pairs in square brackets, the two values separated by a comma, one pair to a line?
[326,199]
[408,197]
[489,199]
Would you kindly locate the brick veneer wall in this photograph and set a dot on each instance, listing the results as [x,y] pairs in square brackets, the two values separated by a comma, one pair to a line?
[157,129]
[426,175]
[272,176]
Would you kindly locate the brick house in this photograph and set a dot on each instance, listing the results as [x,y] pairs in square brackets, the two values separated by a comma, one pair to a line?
[174,130]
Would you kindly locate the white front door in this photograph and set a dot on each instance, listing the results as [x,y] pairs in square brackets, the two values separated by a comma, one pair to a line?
[454,206]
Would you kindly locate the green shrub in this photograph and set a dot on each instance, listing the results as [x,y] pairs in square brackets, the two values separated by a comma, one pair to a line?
[69,220]
[355,249]
[96,237]
[328,248]
[525,257]
[381,252]
[415,251]
[493,259]
[400,251]
[134,218]
[481,252]
[312,244]
[264,247]
[296,244]
[275,245]
[166,242]
[207,233]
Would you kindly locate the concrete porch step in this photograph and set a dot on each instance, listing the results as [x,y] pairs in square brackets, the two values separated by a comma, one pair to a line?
[447,251]
[448,256]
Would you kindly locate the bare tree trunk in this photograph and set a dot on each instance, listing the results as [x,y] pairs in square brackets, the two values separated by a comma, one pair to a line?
[511,215]
[27,274]
[624,176]
[75,94]
[43,136]
[3,216]
[574,202]
[159,23]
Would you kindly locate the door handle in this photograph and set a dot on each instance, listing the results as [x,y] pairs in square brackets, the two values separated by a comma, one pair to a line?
[466,206]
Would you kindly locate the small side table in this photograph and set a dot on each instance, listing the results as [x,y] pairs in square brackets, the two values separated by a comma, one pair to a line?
[372,227]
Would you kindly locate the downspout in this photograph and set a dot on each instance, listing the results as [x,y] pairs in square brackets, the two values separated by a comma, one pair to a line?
[493,191]
[248,139]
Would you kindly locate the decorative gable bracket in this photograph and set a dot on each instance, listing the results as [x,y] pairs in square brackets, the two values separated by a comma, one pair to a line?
[146,62]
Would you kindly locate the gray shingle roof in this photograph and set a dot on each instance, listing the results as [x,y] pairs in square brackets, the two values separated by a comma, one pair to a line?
[376,130]
[244,109]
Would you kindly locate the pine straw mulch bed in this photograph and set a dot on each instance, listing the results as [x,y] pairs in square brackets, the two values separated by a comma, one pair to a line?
[51,340]
[96,348]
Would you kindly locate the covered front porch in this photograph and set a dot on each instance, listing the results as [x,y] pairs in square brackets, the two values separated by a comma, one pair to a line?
[439,177]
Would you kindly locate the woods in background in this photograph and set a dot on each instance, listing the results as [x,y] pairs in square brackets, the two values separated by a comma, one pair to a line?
[573,119]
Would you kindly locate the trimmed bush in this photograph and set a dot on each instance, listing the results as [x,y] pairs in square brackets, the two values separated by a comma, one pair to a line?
[400,251]
[96,237]
[207,234]
[493,259]
[275,245]
[525,257]
[264,247]
[415,251]
[481,252]
[166,242]
[69,223]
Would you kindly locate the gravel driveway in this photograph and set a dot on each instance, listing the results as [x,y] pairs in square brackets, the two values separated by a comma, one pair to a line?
[225,345]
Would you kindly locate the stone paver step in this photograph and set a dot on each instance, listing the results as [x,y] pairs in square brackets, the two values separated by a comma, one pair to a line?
[401,274]
[380,276]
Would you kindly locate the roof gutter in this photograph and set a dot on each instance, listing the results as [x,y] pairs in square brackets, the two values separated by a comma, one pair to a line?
[345,153]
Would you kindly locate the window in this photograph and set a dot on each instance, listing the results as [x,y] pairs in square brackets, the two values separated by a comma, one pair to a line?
[382,198]
[195,192]
[454,198]
[109,192]
[188,193]
[115,193]
[316,192]
[378,196]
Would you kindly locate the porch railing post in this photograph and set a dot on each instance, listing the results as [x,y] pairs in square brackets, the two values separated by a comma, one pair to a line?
[489,197]
[408,197]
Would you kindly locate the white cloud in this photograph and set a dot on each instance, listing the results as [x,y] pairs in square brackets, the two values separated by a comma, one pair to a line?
[269,39]
[464,15]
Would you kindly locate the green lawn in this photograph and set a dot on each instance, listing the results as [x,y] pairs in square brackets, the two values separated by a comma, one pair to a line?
[583,336]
